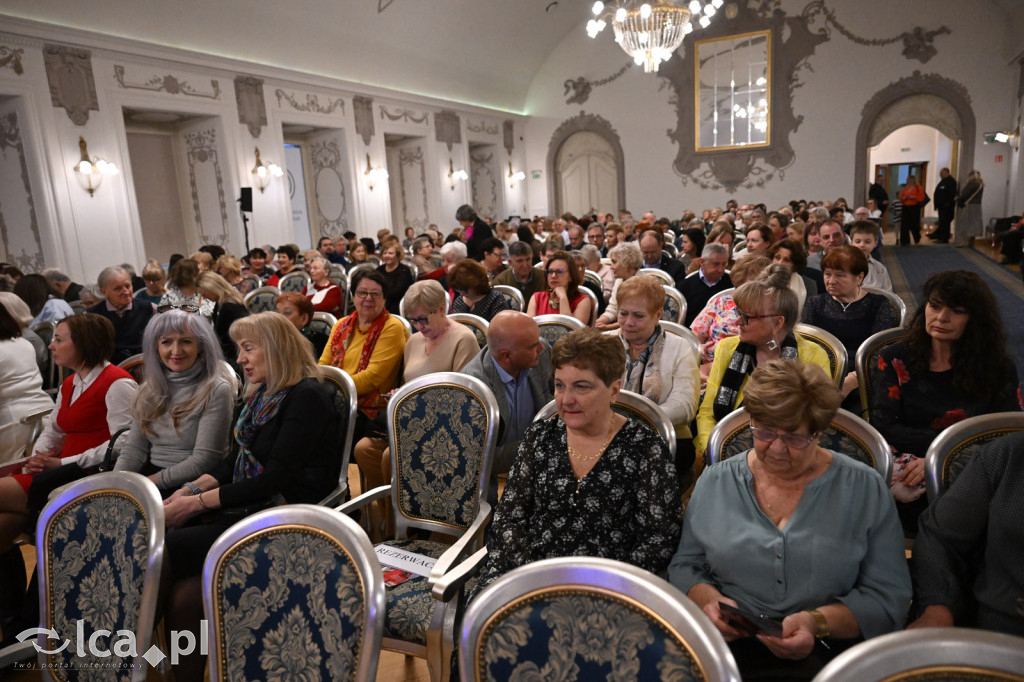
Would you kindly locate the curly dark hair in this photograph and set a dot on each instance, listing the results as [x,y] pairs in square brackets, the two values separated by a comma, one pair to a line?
[980,360]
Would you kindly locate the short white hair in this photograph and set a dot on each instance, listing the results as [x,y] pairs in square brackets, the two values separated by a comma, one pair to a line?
[453,251]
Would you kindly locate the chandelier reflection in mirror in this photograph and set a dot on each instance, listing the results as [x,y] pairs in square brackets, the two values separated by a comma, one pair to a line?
[651,32]
[733,91]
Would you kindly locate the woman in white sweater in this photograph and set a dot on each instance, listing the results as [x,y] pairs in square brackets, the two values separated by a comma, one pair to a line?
[21,387]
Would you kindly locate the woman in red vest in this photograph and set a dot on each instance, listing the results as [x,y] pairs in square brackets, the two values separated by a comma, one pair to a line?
[93,403]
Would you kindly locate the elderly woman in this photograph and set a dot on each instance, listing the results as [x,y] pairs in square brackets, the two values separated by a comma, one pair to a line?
[768,311]
[324,294]
[626,261]
[589,481]
[299,312]
[719,319]
[474,293]
[968,210]
[659,365]
[154,276]
[423,255]
[183,288]
[368,345]
[287,435]
[847,311]
[821,548]
[18,309]
[230,268]
[397,274]
[592,260]
[563,296]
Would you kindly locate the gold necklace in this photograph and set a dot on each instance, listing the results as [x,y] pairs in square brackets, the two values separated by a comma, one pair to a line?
[589,458]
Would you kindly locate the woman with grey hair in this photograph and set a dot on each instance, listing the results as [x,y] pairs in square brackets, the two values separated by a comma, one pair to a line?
[626,261]
[20,312]
[423,255]
[968,210]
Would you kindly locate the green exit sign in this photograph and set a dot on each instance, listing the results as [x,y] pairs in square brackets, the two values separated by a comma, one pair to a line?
[904,149]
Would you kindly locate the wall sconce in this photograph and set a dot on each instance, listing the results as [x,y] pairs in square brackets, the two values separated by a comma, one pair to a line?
[455,175]
[263,175]
[374,175]
[513,178]
[90,172]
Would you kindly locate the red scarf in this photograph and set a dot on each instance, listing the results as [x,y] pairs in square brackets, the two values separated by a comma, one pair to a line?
[368,402]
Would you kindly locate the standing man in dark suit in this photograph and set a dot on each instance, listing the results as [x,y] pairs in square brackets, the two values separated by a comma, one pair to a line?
[877,192]
[944,197]
[128,315]
[476,230]
[699,287]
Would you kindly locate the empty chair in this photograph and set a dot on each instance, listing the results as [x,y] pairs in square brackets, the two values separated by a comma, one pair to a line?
[320,592]
[952,449]
[554,327]
[262,300]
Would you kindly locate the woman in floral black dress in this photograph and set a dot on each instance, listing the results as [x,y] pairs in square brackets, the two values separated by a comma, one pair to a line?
[588,482]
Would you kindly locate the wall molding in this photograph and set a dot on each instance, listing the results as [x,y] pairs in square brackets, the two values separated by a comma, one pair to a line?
[169,84]
[312,103]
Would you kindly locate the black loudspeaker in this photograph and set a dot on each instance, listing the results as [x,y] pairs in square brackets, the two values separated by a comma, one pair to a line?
[246,200]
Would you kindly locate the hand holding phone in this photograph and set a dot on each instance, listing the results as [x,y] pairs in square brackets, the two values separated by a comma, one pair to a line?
[751,623]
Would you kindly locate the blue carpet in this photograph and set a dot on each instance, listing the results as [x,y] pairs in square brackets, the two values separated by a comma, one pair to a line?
[910,266]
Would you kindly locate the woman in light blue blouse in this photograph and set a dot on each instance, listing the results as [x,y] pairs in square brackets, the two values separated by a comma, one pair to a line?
[794,532]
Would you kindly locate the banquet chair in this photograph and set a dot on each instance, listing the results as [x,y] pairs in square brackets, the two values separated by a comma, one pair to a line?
[593,278]
[587,618]
[134,365]
[674,309]
[554,327]
[866,355]
[320,592]
[686,334]
[658,274]
[899,308]
[261,300]
[594,304]
[952,449]
[512,295]
[296,280]
[442,430]
[323,322]
[343,395]
[474,323]
[833,347]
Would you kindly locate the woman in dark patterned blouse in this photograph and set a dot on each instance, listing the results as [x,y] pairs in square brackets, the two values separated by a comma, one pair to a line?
[475,295]
[588,482]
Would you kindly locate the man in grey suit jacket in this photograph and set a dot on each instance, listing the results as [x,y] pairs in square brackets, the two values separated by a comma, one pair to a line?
[516,365]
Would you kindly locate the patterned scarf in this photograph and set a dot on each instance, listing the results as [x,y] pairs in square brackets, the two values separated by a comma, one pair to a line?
[646,380]
[368,402]
[742,363]
[258,410]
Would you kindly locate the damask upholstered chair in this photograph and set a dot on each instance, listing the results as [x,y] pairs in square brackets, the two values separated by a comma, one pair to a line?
[952,449]
[100,544]
[674,309]
[832,346]
[554,327]
[848,434]
[296,281]
[659,275]
[947,654]
[261,300]
[442,429]
[134,366]
[584,618]
[293,593]
[684,333]
[866,354]
[343,395]
[323,322]
[512,295]
[474,323]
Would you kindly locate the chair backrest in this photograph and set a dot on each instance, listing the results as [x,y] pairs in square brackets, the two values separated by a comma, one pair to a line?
[832,346]
[554,327]
[412,268]
[322,603]
[686,333]
[323,322]
[898,306]
[593,278]
[512,295]
[261,300]
[866,354]
[593,305]
[723,292]
[53,375]
[255,279]
[134,365]
[658,274]
[442,429]
[78,306]
[296,281]
[952,449]
[674,309]
[343,394]
[669,249]
[589,615]
[337,276]
[950,654]
[848,434]
[635,406]
[100,543]
[475,323]
[409,331]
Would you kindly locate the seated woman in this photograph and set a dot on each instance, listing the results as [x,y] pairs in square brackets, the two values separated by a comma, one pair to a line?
[475,294]
[154,277]
[92,404]
[563,296]
[691,243]
[18,309]
[626,262]
[181,422]
[357,254]
[951,365]
[43,301]
[21,387]
[659,365]
[759,240]
[227,308]
[423,255]
[441,346]
[299,311]
[324,294]
[768,312]
[847,311]
[589,482]
[287,433]
[820,549]
[397,274]
[722,232]
[183,289]
[368,345]
[230,268]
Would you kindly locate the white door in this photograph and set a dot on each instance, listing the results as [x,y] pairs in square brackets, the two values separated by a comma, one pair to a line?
[587,174]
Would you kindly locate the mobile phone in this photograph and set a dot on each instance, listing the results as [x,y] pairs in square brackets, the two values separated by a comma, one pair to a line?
[751,623]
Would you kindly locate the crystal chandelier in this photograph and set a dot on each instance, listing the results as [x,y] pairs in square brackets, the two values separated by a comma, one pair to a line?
[651,33]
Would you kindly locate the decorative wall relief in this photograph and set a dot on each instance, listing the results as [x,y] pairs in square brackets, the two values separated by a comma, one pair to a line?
[331,204]
[11,57]
[448,127]
[509,135]
[252,108]
[917,44]
[407,115]
[312,103]
[412,176]
[483,182]
[203,163]
[579,89]
[362,107]
[16,204]
[72,86]
[168,84]
[482,127]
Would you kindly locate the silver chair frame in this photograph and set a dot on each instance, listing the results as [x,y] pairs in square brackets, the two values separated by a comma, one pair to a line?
[983,427]
[284,283]
[820,337]
[567,322]
[327,319]
[658,274]
[476,324]
[687,335]
[870,347]
[895,301]
[517,296]
[677,296]
[343,381]
[257,293]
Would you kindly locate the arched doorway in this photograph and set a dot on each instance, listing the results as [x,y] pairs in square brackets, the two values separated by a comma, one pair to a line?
[585,167]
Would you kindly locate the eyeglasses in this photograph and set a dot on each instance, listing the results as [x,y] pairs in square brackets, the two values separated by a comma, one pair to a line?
[417,321]
[369,294]
[790,440]
[745,319]
[185,307]
[558,272]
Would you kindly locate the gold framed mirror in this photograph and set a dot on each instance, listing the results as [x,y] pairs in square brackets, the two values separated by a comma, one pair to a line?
[733,91]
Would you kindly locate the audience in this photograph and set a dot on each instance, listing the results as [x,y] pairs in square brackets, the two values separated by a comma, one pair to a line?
[153,275]
[521,273]
[287,254]
[626,260]
[398,275]
[865,235]
[183,289]
[62,284]
[230,268]
[710,279]
[18,309]
[128,316]
[227,308]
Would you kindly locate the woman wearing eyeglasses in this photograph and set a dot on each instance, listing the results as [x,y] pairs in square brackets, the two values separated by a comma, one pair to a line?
[768,311]
[469,280]
[563,296]
[794,532]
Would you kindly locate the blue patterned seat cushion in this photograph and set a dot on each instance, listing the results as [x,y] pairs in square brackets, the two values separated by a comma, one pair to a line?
[290,607]
[582,636]
[97,554]
[410,605]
